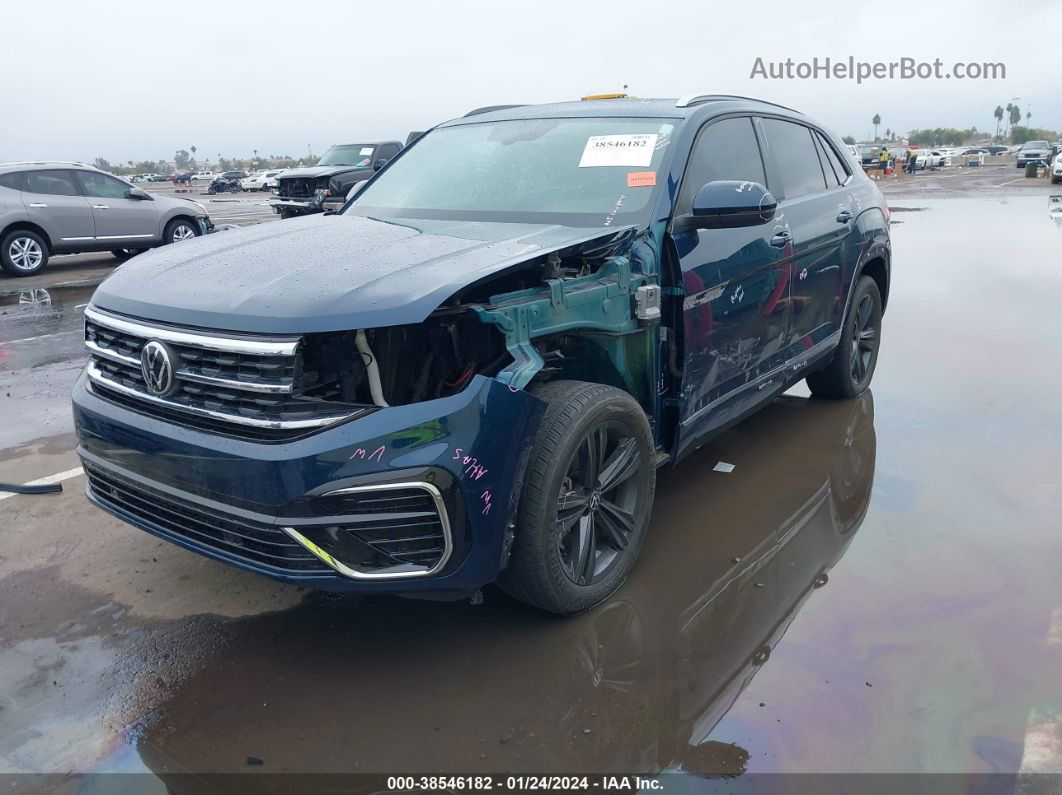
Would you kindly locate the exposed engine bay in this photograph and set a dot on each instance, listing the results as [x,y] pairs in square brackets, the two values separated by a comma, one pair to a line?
[568,313]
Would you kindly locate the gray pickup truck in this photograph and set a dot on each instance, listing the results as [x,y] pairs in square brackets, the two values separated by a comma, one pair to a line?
[314,189]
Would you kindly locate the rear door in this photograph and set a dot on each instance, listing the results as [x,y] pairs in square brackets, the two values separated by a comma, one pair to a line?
[819,215]
[735,280]
[118,218]
[54,202]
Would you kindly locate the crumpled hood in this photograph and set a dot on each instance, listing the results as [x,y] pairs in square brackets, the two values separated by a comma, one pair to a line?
[313,172]
[323,272]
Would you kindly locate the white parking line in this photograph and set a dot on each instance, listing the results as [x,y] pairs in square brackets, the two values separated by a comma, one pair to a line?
[56,478]
[1001,184]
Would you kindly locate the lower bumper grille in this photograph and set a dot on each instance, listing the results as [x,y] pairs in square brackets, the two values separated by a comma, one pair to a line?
[254,542]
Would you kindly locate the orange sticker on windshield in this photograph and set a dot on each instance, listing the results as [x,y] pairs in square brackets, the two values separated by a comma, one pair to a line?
[641,179]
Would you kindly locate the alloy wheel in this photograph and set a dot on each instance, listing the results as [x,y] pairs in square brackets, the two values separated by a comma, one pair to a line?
[864,339]
[25,253]
[598,502]
[182,232]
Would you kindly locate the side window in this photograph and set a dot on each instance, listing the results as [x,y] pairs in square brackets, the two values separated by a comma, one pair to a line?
[101,185]
[793,150]
[832,160]
[386,152]
[13,180]
[52,183]
[726,149]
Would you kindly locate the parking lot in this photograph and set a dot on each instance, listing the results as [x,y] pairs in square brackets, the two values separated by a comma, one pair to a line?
[821,620]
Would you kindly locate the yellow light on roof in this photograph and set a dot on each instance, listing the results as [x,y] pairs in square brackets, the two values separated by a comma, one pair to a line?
[605,96]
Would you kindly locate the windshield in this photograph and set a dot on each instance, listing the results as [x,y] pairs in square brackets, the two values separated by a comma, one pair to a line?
[575,172]
[349,155]
[1035,145]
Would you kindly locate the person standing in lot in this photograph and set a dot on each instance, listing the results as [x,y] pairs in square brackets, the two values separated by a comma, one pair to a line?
[911,157]
[883,159]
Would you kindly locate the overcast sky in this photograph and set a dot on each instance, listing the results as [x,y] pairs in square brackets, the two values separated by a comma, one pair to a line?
[138,80]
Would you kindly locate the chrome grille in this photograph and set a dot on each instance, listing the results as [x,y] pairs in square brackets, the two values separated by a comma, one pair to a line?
[241,384]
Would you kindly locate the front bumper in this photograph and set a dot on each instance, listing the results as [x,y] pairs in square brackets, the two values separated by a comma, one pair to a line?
[472,446]
[307,205]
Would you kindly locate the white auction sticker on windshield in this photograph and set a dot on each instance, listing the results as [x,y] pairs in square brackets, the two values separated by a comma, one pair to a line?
[618,150]
[365,150]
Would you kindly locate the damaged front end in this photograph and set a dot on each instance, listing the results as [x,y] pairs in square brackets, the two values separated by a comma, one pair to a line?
[385,458]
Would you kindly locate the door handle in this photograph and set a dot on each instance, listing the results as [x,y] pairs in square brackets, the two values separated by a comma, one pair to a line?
[38,204]
[781,239]
[101,207]
[844,217]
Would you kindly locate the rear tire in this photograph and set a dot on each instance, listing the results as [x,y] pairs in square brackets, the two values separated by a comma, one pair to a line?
[588,492]
[179,229]
[125,253]
[23,253]
[849,372]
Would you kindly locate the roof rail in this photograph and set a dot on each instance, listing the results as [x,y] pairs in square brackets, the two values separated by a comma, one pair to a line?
[490,108]
[697,99]
[48,163]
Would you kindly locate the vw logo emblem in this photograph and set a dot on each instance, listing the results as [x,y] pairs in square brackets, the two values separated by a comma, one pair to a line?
[156,365]
[595,501]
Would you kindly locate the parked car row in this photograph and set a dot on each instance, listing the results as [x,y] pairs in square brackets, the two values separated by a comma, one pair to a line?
[51,208]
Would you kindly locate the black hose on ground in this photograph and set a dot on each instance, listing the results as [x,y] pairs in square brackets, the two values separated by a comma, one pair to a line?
[18,488]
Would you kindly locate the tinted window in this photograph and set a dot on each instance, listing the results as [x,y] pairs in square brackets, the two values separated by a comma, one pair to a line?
[794,151]
[832,161]
[53,183]
[724,150]
[13,181]
[103,186]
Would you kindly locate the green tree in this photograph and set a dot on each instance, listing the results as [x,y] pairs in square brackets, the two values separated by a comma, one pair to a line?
[102,164]
[876,121]
[182,159]
[848,139]
[998,113]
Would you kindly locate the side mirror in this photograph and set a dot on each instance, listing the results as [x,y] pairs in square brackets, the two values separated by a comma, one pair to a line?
[355,189]
[138,193]
[379,164]
[729,204]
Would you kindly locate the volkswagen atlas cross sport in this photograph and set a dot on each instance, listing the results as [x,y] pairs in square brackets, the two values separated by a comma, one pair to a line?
[456,381]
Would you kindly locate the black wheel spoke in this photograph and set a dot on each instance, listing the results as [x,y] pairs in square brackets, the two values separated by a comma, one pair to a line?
[593,455]
[585,550]
[570,506]
[623,463]
[615,525]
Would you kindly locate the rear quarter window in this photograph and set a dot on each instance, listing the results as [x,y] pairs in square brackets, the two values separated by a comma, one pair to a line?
[12,181]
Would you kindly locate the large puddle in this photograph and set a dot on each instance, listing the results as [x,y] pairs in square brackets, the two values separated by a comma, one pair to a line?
[874,587]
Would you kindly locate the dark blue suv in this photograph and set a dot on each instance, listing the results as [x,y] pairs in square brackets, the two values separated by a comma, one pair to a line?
[473,370]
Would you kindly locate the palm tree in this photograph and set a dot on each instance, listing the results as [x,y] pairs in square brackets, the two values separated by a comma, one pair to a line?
[1015,116]
[876,121]
[998,113]
[193,155]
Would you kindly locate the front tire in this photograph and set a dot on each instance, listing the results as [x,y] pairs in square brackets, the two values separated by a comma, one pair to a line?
[852,367]
[179,229]
[23,253]
[588,491]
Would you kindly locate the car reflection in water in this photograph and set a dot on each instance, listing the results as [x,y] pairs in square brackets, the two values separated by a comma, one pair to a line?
[635,685]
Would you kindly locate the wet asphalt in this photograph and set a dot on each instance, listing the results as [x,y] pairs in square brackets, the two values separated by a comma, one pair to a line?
[874,587]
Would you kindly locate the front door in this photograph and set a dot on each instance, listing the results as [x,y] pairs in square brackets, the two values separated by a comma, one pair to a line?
[736,282]
[824,220]
[118,218]
[53,201]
